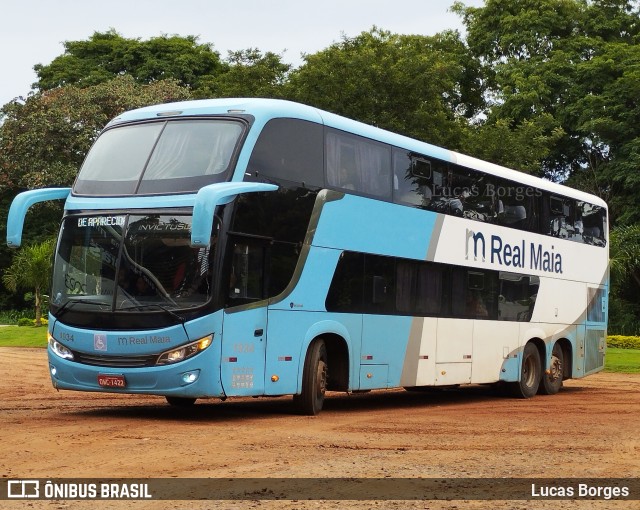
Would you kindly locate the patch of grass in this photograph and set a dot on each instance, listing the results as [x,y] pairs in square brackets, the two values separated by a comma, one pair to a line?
[626,361]
[24,336]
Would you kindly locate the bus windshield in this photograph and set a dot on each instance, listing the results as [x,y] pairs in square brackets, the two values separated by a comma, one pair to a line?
[130,262]
[159,157]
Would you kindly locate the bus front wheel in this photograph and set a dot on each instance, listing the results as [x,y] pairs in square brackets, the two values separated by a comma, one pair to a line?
[314,379]
[531,373]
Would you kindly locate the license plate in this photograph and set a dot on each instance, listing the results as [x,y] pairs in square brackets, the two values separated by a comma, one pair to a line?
[111,381]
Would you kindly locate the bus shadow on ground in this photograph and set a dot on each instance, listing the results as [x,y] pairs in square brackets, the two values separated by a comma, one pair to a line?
[212,410]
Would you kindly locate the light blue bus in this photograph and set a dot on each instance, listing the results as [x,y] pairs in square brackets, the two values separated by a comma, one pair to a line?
[251,247]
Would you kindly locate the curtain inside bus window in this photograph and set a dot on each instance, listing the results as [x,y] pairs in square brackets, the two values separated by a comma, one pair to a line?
[193,148]
[359,165]
[115,162]
[406,283]
[429,289]
[419,288]
[159,157]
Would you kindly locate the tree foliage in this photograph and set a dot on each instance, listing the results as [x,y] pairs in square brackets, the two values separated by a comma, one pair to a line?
[249,73]
[44,139]
[625,278]
[577,63]
[30,269]
[424,87]
[107,55]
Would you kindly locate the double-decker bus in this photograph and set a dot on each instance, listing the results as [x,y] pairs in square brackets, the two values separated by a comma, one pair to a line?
[251,247]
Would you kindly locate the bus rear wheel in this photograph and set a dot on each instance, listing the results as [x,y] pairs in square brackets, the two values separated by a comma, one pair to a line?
[180,401]
[314,380]
[552,379]
[530,374]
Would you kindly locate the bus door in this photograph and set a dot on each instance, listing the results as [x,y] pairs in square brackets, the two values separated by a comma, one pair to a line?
[244,325]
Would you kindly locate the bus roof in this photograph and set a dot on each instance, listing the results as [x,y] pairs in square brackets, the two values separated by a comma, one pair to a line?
[265,109]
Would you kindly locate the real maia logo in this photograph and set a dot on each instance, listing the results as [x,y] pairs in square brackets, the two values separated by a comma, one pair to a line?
[523,255]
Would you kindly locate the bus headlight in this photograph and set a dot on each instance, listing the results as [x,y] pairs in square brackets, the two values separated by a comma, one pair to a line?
[59,349]
[184,352]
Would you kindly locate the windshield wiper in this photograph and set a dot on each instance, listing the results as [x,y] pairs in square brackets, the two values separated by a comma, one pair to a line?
[146,306]
[74,301]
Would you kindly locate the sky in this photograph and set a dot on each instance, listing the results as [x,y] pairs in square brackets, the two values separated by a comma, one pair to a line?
[33,31]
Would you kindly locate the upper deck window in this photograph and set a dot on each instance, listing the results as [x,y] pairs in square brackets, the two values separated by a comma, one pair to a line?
[289,150]
[159,157]
[358,164]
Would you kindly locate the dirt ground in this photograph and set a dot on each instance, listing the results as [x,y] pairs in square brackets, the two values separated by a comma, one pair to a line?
[590,430]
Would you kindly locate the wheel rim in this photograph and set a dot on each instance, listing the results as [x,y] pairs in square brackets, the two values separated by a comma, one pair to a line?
[321,379]
[555,368]
[529,371]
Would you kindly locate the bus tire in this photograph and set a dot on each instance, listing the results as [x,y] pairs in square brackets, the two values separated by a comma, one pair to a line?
[530,374]
[552,379]
[314,379]
[180,401]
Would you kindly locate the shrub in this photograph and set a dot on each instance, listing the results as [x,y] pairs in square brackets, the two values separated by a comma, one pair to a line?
[11,317]
[623,342]
[31,322]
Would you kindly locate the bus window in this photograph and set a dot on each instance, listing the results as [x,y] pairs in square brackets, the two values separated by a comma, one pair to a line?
[357,164]
[345,293]
[155,157]
[412,179]
[282,263]
[474,294]
[379,285]
[190,149]
[515,205]
[517,296]
[561,217]
[420,288]
[463,192]
[246,282]
[596,304]
[591,223]
[290,150]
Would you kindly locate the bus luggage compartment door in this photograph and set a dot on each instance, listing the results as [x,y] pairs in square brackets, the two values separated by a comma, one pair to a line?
[244,337]
[454,349]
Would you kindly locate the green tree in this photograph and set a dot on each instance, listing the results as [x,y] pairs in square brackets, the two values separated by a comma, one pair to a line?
[44,139]
[249,74]
[523,147]
[625,279]
[575,62]
[106,55]
[31,270]
[424,87]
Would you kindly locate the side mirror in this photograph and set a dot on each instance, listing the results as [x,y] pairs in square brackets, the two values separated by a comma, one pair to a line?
[209,197]
[20,206]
